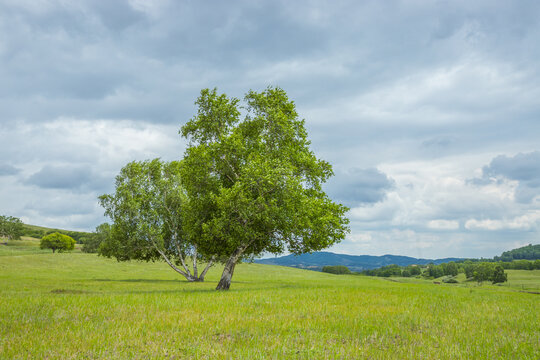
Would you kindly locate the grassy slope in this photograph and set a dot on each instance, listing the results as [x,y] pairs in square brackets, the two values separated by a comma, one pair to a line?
[76,305]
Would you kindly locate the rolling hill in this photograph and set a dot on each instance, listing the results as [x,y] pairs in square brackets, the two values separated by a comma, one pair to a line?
[316,260]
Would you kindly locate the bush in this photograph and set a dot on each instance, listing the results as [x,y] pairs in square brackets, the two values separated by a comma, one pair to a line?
[337,269]
[57,241]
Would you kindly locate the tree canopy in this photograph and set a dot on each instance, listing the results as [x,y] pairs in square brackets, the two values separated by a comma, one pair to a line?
[92,242]
[10,227]
[253,185]
[57,241]
[147,211]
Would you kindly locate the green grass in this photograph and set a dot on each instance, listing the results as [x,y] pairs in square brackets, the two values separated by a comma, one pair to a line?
[76,306]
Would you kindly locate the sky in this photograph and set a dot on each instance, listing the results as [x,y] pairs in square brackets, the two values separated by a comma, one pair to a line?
[429,111]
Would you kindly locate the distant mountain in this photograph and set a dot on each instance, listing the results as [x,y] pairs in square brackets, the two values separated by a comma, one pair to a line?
[316,260]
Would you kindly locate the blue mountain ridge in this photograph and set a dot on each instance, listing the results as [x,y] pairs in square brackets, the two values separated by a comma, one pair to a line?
[316,261]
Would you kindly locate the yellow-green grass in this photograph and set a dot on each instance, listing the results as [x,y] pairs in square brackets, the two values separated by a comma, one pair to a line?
[76,305]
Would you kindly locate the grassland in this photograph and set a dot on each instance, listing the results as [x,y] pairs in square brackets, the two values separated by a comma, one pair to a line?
[75,305]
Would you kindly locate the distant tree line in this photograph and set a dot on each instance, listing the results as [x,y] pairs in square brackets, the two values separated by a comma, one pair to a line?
[78,236]
[473,270]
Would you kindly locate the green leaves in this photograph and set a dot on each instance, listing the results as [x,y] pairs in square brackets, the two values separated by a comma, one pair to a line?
[10,227]
[146,210]
[57,241]
[256,181]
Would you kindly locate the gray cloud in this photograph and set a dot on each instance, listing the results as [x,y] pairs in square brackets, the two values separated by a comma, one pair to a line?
[67,177]
[7,170]
[359,186]
[523,167]
[415,96]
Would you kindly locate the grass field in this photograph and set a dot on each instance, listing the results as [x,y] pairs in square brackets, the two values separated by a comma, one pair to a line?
[81,306]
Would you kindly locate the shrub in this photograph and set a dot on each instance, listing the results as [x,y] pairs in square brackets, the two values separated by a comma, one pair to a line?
[337,269]
[57,241]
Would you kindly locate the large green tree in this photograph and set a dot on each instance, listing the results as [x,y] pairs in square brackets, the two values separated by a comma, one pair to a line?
[253,184]
[147,213]
[10,227]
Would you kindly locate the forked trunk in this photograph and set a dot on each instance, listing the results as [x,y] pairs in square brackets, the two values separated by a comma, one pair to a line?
[208,266]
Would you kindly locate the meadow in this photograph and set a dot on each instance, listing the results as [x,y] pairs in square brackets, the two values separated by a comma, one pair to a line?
[81,306]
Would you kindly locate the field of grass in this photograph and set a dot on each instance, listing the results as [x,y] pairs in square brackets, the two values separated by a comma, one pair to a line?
[81,306]
[523,280]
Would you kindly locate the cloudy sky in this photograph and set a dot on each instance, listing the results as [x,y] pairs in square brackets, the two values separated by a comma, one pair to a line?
[428,110]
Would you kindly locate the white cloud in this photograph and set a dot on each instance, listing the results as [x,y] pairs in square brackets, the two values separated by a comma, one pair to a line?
[524,222]
[70,162]
[443,224]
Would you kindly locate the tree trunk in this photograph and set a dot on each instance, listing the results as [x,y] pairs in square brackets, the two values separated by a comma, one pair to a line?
[208,266]
[228,271]
[187,275]
[195,270]
[226,276]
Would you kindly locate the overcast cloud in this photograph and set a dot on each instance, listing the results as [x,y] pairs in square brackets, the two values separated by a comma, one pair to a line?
[428,110]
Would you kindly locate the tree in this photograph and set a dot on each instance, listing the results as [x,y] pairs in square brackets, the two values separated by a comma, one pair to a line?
[450,268]
[434,271]
[483,272]
[10,227]
[254,185]
[57,241]
[468,269]
[101,234]
[498,275]
[147,211]
[336,269]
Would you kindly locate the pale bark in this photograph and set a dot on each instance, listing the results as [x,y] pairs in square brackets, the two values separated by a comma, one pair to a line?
[189,277]
[195,271]
[228,270]
[208,266]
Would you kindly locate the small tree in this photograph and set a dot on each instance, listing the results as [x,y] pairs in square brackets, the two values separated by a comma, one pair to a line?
[498,275]
[435,271]
[147,210]
[254,185]
[450,268]
[11,227]
[57,241]
[483,272]
[414,270]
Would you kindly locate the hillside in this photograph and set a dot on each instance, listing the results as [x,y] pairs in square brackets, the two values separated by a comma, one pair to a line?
[529,252]
[316,260]
[38,232]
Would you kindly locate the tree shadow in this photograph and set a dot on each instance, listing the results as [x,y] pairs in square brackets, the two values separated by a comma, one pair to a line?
[142,280]
[209,288]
